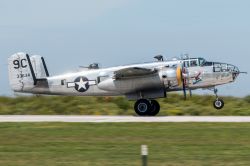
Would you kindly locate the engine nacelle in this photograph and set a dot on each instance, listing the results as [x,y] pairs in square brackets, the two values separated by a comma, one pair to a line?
[171,77]
[165,78]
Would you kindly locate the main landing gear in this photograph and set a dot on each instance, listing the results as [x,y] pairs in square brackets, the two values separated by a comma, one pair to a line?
[218,103]
[144,107]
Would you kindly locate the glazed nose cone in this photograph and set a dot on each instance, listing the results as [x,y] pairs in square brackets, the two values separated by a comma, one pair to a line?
[235,71]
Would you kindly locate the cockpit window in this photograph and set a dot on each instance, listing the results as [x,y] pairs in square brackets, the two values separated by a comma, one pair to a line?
[202,61]
[217,67]
[193,63]
[208,64]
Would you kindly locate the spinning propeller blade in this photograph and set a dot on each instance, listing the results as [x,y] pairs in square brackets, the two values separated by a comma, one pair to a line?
[183,82]
[181,77]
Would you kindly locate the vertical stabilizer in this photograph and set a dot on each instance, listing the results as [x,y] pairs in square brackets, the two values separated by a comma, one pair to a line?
[21,74]
[39,66]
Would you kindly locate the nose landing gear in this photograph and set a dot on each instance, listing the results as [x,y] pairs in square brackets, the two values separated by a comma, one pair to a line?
[218,103]
[144,107]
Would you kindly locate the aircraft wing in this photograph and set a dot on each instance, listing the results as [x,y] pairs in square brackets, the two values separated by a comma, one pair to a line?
[133,72]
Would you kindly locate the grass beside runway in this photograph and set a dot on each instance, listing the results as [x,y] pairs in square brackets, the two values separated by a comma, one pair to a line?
[119,143]
[173,105]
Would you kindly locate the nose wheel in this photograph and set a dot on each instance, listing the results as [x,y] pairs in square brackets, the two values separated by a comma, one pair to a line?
[218,103]
[144,107]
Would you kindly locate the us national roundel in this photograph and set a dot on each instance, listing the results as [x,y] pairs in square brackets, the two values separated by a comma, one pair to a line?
[81,84]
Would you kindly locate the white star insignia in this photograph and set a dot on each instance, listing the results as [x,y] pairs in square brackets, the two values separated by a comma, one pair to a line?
[82,84]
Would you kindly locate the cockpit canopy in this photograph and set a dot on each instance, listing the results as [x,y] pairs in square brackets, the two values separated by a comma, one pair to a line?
[94,66]
[217,66]
[193,62]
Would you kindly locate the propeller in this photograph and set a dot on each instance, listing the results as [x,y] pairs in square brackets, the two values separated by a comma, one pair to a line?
[183,70]
[182,77]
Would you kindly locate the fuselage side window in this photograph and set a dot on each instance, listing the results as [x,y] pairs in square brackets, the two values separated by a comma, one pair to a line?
[63,82]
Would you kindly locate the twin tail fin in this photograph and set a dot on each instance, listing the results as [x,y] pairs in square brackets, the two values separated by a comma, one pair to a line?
[26,72]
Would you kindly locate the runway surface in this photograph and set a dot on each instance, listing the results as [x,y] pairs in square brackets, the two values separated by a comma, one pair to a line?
[97,119]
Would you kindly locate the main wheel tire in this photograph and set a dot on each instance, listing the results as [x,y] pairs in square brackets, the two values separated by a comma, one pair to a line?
[218,104]
[142,107]
[155,108]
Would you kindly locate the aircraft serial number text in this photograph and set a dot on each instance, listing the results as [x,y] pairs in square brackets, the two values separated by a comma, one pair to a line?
[23,75]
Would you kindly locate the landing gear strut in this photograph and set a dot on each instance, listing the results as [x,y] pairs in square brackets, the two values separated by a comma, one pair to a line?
[218,103]
[144,107]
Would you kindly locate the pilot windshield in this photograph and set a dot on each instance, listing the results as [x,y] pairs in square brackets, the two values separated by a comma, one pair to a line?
[202,61]
[193,63]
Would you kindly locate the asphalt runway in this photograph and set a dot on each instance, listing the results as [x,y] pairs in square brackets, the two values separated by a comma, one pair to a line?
[100,119]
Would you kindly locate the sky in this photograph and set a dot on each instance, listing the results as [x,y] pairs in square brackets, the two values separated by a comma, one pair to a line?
[76,33]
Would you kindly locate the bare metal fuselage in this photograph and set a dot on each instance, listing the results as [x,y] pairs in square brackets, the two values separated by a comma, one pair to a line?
[102,83]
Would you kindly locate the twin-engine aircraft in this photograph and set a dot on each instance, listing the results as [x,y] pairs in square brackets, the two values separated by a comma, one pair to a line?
[143,82]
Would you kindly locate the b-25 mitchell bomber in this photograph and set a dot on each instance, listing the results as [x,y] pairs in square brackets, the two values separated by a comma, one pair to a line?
[143,82]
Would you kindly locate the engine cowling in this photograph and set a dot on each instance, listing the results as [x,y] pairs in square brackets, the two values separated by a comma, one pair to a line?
[171,77]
